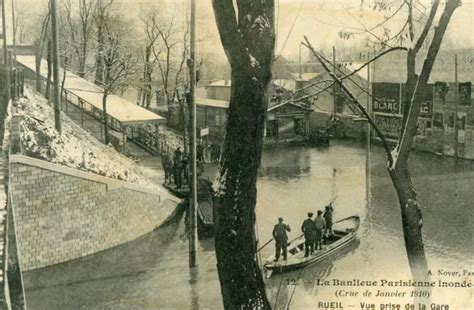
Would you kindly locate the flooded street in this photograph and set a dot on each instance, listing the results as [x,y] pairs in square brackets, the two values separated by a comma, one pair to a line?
[152,272]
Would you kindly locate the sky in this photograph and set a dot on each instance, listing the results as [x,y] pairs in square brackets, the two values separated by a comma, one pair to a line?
[320,20]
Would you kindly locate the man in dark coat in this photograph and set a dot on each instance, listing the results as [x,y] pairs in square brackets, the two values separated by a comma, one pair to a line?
[185,167]
[309,230]
[281,238]
[178,179]
[167,166]
[320,225]
[328,219]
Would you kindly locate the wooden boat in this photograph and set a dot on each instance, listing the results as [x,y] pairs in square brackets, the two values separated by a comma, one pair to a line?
[205,209]
[345,231]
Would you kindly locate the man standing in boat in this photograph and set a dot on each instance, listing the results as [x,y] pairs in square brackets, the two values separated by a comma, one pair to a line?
[281,238]
[328,219]
[320,225]
[309,230]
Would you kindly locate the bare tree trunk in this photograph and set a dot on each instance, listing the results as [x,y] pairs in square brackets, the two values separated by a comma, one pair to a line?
[99,58]
[38,53]
[50,69]
[247,34]
[104,115]
[239,274]
[412,222]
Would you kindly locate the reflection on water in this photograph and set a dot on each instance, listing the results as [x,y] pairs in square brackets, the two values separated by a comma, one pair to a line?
[285,164]
[154,270]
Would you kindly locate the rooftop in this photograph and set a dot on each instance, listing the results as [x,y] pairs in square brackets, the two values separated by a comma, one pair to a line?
[391,68]
[118,108]
[212,103]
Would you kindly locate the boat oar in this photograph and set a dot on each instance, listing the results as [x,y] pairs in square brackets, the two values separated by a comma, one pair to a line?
[266,243]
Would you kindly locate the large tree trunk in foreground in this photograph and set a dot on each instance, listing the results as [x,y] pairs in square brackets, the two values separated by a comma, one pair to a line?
[248,39]
[239,273]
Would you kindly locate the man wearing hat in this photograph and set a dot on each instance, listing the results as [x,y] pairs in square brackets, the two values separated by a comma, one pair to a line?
[329,210]
[281,238]
[178,158]
[320,226]
[309,230]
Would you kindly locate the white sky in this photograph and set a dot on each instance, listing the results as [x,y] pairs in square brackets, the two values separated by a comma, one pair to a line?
[320,20]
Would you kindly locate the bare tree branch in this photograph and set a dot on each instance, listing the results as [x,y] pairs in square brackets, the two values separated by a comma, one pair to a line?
[354,100]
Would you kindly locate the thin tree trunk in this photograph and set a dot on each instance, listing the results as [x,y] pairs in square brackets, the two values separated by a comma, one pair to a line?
[38,53]
[104,113]
[48,79]
[99,59]
[240,276]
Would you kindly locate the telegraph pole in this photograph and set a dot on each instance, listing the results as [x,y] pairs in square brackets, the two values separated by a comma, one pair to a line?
[14,30]
[301,71]
[456,99]
[193,185]
[5,60]
[57,93]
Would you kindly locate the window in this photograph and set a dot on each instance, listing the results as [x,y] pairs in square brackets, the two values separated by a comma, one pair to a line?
[465,93]
[438,120]
[421,129]
[462,120]
[299,126]
[451,120]
[441,89]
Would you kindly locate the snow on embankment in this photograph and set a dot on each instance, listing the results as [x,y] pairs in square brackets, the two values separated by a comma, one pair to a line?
[75,147]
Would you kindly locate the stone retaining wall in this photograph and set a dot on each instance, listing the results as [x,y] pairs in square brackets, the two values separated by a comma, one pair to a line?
[63,213]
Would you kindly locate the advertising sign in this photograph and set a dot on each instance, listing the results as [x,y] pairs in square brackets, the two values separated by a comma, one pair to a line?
[390,125]
[426,107]
[386,98]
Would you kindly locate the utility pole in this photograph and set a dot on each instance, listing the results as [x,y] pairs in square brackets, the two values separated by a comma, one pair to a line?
[193,185]
[301,71]
[5,63]
[456,99]
[334,88]
[14,31]
[57,94]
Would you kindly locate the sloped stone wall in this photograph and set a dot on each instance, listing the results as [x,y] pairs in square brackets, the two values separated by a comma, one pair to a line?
[63,213]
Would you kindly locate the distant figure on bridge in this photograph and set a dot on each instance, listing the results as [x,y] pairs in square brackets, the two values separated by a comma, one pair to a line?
[320,225]
[281,238]
[328,219]
[309,230]
[167,164]
[178,157]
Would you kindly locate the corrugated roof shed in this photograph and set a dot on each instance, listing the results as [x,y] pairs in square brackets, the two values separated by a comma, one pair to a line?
[122,110]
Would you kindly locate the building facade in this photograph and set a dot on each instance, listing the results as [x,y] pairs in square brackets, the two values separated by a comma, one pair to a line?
[446,120]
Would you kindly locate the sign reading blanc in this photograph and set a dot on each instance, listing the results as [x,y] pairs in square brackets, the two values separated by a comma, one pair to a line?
[389,125]
[386,98]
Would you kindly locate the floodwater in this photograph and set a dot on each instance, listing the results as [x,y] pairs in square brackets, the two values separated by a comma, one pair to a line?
[152,272]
